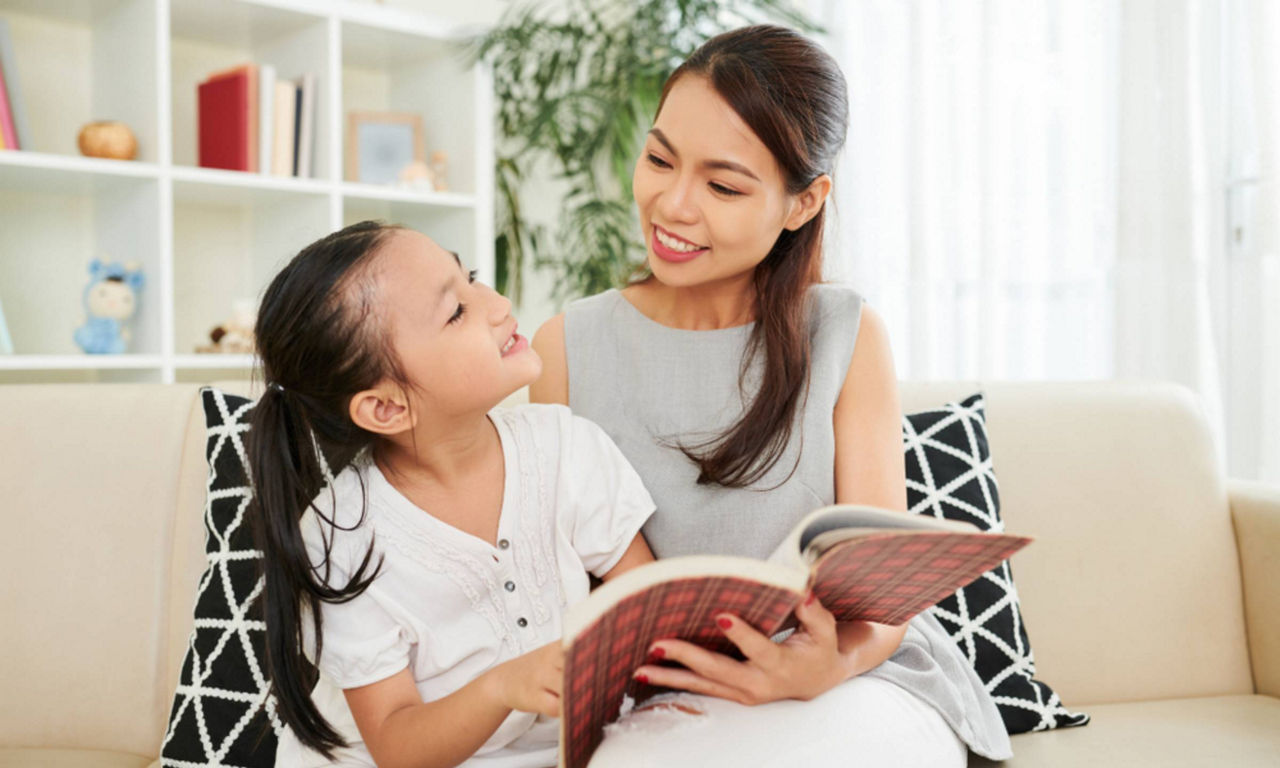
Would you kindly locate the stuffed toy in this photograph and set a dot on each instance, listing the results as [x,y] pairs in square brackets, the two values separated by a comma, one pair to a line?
[235,336]
[110,300]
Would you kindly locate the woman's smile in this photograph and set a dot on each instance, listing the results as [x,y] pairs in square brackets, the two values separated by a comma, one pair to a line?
[670,247]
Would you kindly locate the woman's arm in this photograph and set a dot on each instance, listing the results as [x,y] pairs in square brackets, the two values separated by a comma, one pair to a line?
[870,468]
[401,730]
[553,385]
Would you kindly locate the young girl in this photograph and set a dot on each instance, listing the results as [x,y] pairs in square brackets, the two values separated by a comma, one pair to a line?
[428,580]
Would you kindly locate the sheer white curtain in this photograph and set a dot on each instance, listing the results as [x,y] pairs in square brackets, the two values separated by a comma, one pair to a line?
[1250,292]
[1038,190]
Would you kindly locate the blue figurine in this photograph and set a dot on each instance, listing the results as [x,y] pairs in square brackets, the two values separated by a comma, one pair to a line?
[110,300]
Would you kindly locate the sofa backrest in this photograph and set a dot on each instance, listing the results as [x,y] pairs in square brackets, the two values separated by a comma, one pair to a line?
[88,479]
[1131,590]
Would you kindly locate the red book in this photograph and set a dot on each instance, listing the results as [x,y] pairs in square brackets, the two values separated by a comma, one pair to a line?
[227,119]
[8,131]
[862,563]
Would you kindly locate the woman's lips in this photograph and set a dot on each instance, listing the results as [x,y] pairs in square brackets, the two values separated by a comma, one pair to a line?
[668,254]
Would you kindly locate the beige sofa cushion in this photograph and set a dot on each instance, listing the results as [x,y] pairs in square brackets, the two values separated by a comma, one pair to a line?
[1255,510]
[1236,731]
[88,477]
[1093,470]
[71,758]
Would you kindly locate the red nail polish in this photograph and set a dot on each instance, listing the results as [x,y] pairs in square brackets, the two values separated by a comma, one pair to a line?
[643,679]
[809,600]
[724,622]
[657,653]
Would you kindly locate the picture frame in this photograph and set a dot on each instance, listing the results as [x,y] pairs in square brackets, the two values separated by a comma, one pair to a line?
[381,144]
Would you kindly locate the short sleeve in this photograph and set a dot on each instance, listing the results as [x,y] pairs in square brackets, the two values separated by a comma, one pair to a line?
[603,502]
[363,643]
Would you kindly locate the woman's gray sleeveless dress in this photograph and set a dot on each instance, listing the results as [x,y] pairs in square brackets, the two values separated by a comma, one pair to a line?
[651,386]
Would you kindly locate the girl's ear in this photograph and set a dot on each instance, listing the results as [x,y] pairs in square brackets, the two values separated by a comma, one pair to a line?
[808,203]
[383,410]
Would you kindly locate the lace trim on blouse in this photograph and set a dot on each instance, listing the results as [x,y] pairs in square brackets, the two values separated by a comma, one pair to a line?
[535,549]
[464,570]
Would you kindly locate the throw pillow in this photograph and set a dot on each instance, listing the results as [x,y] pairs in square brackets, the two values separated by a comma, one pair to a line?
[222,714]
[950,475]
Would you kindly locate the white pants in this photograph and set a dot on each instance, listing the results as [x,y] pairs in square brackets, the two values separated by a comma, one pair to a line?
[863,722]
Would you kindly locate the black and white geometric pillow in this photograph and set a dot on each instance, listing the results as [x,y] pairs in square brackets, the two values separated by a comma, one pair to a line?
[222,714]
[950,475]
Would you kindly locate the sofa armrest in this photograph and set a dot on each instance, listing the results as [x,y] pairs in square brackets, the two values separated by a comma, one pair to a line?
[1255,511]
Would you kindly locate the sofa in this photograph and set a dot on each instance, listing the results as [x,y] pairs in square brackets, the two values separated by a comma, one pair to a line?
[1151,593]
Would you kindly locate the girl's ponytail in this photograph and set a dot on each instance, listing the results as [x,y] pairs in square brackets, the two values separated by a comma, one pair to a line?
[317,347]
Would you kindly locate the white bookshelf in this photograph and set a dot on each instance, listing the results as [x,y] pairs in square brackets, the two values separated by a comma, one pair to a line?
[207,238]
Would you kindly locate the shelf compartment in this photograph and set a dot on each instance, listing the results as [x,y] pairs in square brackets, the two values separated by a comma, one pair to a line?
[209,37]
[386,70]
[83,61]
[54,226]
[228,243]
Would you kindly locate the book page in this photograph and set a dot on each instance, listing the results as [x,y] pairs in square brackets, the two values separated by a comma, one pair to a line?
[849,521]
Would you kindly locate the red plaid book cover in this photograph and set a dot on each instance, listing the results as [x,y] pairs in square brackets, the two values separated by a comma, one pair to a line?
[598,667]
[888,578]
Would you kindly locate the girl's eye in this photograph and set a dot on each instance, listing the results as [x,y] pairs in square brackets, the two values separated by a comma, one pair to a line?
[655,160]
[471,276]
[724,190]
[457,315]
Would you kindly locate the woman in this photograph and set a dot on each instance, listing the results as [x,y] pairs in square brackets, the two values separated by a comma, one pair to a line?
[746,394]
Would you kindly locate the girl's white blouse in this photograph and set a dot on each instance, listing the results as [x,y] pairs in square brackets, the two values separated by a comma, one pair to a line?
[448,605]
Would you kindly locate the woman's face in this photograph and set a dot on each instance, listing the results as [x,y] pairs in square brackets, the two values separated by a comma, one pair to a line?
[711,197]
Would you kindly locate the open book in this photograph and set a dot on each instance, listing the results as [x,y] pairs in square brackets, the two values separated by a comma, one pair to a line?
[862,563]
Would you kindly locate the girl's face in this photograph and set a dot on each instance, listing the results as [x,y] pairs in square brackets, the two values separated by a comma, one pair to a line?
[455,338]
[711,197]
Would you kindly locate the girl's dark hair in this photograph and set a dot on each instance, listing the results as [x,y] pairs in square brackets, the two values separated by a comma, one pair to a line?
[792,94]
[319,340]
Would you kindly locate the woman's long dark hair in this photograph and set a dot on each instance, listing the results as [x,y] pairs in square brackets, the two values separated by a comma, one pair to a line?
[792,94]
[320,343]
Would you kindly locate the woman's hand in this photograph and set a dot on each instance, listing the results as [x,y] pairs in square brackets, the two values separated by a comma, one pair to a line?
[805,665]
[532,682]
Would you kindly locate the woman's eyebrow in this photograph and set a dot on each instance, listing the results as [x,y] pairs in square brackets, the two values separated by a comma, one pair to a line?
[726,165]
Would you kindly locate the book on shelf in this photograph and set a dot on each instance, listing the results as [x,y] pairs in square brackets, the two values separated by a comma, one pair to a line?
[228,119]
[13,116]
[306,123]
[862,563]
[266,116]
[286,96]
[8,133]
